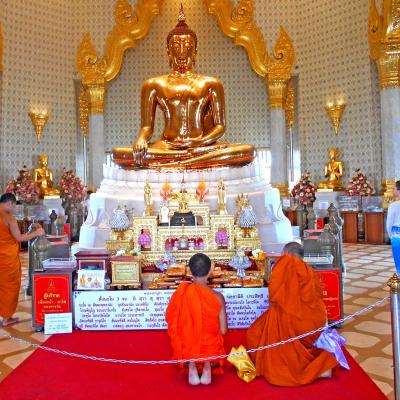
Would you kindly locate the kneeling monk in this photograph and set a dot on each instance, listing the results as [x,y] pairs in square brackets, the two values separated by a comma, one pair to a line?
[296,307]
[196,318]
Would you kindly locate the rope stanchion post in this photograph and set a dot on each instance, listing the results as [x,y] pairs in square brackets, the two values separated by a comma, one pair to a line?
[394,284]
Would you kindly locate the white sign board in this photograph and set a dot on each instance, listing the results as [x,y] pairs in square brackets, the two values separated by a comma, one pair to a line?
[57,323]
[145,309]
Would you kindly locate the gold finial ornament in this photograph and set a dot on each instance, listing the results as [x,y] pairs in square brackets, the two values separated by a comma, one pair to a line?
[181,16]
[39,120]
[394,284]
[384,41]
[335,112]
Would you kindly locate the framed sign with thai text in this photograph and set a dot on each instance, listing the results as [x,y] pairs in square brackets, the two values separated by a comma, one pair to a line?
[52,293]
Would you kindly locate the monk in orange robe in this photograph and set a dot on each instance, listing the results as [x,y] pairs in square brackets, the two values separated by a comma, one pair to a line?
[196,318]
[296,307]
[10,265]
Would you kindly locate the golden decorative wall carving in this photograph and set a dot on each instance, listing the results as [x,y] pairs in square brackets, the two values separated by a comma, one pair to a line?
[83,111]
[289,106]
[238,23]
[131,25]
[384,41]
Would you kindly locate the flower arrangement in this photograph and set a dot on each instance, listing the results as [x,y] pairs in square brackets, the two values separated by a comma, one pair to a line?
[222,237]
[304,190]
[24,187]
[71,187]
[144,239]
[359,185]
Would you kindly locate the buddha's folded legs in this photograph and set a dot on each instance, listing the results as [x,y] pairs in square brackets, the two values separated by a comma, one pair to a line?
[222,154]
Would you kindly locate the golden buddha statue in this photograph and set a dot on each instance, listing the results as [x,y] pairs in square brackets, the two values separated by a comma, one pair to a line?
[334,172]
[43,176]
[194,114]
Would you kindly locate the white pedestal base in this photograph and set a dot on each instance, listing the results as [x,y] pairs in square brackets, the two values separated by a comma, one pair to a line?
[125,188]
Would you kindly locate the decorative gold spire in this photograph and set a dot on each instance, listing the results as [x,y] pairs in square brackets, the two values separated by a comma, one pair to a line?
[181,16]
[384,41]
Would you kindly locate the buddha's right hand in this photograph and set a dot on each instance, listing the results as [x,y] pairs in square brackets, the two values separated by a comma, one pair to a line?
[139,150]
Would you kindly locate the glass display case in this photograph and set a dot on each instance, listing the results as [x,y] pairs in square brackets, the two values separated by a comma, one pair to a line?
[372,204]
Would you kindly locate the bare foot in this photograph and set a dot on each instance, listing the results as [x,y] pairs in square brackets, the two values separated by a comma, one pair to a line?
[193,374]
[9,321]
[206,375]
[326,374]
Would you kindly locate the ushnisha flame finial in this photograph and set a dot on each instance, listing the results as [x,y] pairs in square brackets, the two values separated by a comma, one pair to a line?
[181,16]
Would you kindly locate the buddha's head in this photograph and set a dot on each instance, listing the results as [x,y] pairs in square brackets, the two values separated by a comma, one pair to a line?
[333,153]
[43,160]
[182,46]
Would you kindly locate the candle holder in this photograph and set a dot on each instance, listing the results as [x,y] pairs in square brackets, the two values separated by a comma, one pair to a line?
[39,120]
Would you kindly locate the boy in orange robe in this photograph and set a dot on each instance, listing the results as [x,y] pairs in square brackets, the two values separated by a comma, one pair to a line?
[10,265]
[196,318]
[296,307]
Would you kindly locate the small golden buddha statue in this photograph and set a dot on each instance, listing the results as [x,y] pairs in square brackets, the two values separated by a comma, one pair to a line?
[43,176]
[148,199]
[334,172]
[221,198]
[194,115]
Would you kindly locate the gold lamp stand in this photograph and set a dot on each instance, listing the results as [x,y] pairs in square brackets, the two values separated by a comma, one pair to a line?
[335,112]
[39,120]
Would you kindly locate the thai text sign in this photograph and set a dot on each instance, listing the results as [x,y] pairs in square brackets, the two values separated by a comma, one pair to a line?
[145,309]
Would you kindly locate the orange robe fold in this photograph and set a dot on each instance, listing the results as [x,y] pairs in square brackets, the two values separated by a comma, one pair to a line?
[10,271]
[296,307]
[193,323]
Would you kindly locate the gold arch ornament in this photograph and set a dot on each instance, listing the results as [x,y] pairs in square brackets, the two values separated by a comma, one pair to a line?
[131,25]
[238,23]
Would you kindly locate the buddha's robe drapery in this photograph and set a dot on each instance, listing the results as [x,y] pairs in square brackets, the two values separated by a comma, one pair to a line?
[296,307]
[193,323]
[10,271]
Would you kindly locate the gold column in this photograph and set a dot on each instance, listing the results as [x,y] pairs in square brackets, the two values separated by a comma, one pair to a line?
[1,50]
[384,42]
[384,46]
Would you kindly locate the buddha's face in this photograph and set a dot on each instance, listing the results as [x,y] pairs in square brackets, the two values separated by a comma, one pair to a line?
[332,154]
[182,52]
[43,161]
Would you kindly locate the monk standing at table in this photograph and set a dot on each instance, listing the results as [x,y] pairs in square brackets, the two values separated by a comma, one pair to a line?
[10,265]
[196,318]
[296,307]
